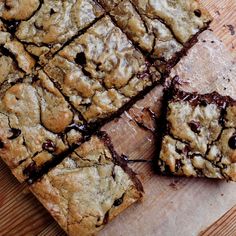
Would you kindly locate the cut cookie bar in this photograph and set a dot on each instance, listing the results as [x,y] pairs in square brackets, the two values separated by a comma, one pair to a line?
[33,118]
[89,188]
[200,139]
[100,71]
[44,26]
[161,29]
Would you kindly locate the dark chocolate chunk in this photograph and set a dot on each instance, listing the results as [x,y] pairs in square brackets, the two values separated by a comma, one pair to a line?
[7,6]
[118,202]
[1,144]
[232,142]
[12,26]
[198,13]
[52,11]
[195,126]
[80,59]
[49,146]
[30,169]
[15,133]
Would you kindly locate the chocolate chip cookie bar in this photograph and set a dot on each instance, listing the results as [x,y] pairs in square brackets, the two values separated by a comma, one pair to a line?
[89,188]
[33,117]
[100,71]
[45,26]
[160,29]
[200,138]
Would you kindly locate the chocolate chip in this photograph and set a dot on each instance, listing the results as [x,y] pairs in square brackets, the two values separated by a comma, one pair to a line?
[118,202]
[178,164]
[7,7]
[15,133]
[232,142]
[30,169]
[204,103]
[86,73]
[195,126]
[12,25]
[49,146]
[1,144]
[198,13]
[52,12]
[80,58]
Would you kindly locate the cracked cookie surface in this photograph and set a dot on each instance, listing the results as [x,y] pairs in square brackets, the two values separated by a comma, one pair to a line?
[53,24]
[101,71]
[161,29]
[89,188]
[33,115]
[200,139]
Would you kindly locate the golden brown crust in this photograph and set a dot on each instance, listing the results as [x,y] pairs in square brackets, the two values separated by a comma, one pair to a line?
[32,116]
[99,71]
[184,18]
[201,137]
[68,191]
[18,9]
[55,23]
[150,35]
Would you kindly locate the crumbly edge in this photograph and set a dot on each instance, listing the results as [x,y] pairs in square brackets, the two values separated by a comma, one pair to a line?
[131,196]
[173,94]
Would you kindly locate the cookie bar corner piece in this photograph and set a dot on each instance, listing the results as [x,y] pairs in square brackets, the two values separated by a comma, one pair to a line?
[163,30]
[33,126]
[89,188]
[200,136]
[45,26]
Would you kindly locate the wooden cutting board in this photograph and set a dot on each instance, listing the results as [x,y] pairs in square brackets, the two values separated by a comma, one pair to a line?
[172,206]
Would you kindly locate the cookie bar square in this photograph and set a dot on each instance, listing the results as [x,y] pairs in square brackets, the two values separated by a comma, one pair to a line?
[200,139]
[89,188]
[100,71]
[33,118]
[45,26]
[161,29]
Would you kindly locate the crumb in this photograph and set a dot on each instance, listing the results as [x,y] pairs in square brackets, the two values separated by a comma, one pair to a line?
[172,185]
[231,29]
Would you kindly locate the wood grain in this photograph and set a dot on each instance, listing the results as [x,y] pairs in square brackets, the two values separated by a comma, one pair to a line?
[172,206]
[224,226]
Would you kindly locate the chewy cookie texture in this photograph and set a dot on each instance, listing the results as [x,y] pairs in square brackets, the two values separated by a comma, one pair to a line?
[67,67]
[33,118]
[200,138]
[161,29]
[100,71]
[89,188]
[45,26]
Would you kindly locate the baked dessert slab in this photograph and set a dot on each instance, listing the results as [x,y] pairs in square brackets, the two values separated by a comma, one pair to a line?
[89,188]
[45,26]
[33,119]
[101,71]
[163,30]
[200,136]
